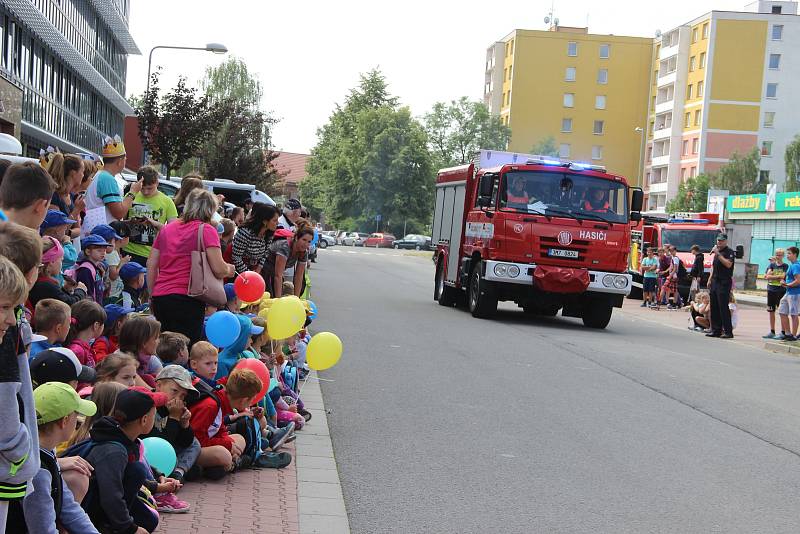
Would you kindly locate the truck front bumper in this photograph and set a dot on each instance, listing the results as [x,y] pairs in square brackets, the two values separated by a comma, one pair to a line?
[522,273]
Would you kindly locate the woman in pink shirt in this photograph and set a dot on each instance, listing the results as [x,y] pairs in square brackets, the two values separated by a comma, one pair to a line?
[169,265]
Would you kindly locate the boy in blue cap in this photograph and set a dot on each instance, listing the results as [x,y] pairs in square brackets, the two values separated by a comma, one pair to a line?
[132,275]
[113,262]
[234,303]
[90,268]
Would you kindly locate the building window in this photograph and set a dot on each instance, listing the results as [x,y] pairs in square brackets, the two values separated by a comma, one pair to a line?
[705,30]
[699,89]
[695,145]
[689,92]
[776,10]
[683,173]
[566,125]
[509,97]
[512,47]
[763,176]
[602,76]
[693,172]
[598,127]
[774,61]
[563,150]
[569,75]
[702,60]
[777,32]
[694,35]
[769,119]
[597,152]
[604,49]
[572,49]
[510,67]
[600,102]
[687,120]
[685,150]
[772,90]
[696,117]
[692,63]
[766,148]
[569,100]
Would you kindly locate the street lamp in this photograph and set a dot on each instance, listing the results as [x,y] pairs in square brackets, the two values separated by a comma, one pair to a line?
[215,48]
[641,153]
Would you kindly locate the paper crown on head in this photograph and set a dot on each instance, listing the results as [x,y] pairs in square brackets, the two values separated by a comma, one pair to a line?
[46,157]
[113,148]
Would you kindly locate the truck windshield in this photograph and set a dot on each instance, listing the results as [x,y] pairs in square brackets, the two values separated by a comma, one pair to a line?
[683,239]
[554,193]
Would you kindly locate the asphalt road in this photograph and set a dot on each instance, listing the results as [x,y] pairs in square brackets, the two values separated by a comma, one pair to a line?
[445,423]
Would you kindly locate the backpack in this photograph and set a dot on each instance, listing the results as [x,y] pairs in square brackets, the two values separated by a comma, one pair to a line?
[205,391]
[249,428]
[682,270]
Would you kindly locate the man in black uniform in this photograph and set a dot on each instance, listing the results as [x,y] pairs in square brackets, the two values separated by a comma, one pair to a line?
[720,286]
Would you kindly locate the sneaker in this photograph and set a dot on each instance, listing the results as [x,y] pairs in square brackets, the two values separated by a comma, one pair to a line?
[305,413]
[273,460]
[643,305]
[713,334]
[279,436]
[168,503]
[786,337]
[291,438]
[194,473]
[771,335]
[699,329]
[177,475]
[726,336]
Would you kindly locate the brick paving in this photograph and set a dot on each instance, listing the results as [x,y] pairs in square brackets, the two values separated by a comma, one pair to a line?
[257,501]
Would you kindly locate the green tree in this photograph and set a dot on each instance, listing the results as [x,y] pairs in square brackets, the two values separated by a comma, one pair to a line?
[239,146]
[371,159]
[458,129]
[740,176]
[692,195]
[173,126]
[545,147]
[792,160]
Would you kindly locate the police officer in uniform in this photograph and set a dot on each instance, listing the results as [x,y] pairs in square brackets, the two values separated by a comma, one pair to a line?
[720,286]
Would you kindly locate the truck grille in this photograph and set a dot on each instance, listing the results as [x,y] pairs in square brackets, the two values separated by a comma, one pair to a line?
[546,243]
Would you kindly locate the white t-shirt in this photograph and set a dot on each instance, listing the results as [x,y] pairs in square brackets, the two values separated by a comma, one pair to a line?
[115,286]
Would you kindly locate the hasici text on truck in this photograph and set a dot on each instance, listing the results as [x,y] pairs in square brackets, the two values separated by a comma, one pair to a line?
[545,234]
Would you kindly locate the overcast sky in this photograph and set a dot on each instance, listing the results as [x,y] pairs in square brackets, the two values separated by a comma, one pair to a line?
[309,54]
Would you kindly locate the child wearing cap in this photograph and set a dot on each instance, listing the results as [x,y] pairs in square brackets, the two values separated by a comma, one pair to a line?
[47,285]
[113,261]
[238,349]
[51,503]
[90,269]
[60,364]
[112,501]
[132,275]
[109,341]
[52,324]
[233,303]
[172,420]
[55,225]
[173,348]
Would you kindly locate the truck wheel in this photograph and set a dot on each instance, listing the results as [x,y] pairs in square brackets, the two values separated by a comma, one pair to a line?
[444,294]
[482,298]
[597,314]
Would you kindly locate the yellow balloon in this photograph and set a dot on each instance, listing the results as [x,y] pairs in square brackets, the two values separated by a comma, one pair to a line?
[263,313]
[324,351]
[285,318]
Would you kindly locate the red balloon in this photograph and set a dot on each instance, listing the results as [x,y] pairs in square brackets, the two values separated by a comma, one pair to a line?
[249,286]
[258,367]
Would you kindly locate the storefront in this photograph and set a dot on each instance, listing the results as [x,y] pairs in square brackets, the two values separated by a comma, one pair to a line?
[775,219]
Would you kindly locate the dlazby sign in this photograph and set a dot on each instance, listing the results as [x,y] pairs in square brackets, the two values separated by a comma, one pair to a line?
[751,203]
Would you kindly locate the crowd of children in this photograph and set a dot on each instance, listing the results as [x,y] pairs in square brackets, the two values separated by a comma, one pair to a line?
[89,374]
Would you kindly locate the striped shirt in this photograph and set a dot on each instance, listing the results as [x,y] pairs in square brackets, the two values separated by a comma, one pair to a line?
[249,251]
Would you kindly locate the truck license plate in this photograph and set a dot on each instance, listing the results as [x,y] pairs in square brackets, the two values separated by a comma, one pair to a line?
[561,253]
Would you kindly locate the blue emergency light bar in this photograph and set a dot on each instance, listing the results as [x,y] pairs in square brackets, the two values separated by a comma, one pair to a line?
[570,164]
[688,221]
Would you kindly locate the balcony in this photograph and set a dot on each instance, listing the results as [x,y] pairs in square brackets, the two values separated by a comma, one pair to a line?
[660,187]
[660,161]
[665,107]
[665,132]
[667,79]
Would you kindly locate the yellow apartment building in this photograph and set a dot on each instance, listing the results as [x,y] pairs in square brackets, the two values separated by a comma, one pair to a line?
[589,92]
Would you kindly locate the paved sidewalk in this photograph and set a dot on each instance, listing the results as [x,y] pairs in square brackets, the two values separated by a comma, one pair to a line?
[304,497]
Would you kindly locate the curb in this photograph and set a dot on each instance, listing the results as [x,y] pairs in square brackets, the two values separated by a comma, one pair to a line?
[751,300]
[775,346]
[319,490]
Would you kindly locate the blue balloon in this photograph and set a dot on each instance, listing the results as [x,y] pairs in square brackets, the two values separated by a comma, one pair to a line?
[313,308]
[160,454]
[222,328]
[316,238]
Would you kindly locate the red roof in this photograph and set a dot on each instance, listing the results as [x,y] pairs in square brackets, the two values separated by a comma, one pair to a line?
[291,166]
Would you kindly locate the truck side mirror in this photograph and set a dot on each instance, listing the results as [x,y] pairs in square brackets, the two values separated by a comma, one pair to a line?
[636,216]
[484,202]
[637,199]
[739,252]
[486,187]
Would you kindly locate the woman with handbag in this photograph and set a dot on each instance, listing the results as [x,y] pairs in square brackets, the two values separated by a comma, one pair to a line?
[185,270]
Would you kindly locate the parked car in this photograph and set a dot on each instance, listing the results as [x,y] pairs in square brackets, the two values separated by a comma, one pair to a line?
[379,240]
[355,239]
[325,240]
[340,238]
[414,241]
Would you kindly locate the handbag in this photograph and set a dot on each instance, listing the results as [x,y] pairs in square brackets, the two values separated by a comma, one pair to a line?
[203,284]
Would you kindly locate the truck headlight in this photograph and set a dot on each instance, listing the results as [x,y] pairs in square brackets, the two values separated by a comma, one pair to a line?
[500,269]
[620,282]
[608,280]
[513,271]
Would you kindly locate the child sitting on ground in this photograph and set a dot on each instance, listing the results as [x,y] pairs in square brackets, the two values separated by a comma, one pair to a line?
[109,341]
[203,362]
[700,310]
[172,420]
[87,323]
[239,348]
[173,349]
[132,275]
[47,286]
[121,368]
[734,310]
[139,337]
[233,303]
[51,503]
[52,322]
[90,269]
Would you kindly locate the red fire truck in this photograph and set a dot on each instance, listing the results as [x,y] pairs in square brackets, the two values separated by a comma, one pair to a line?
[680,229]
[546,234]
